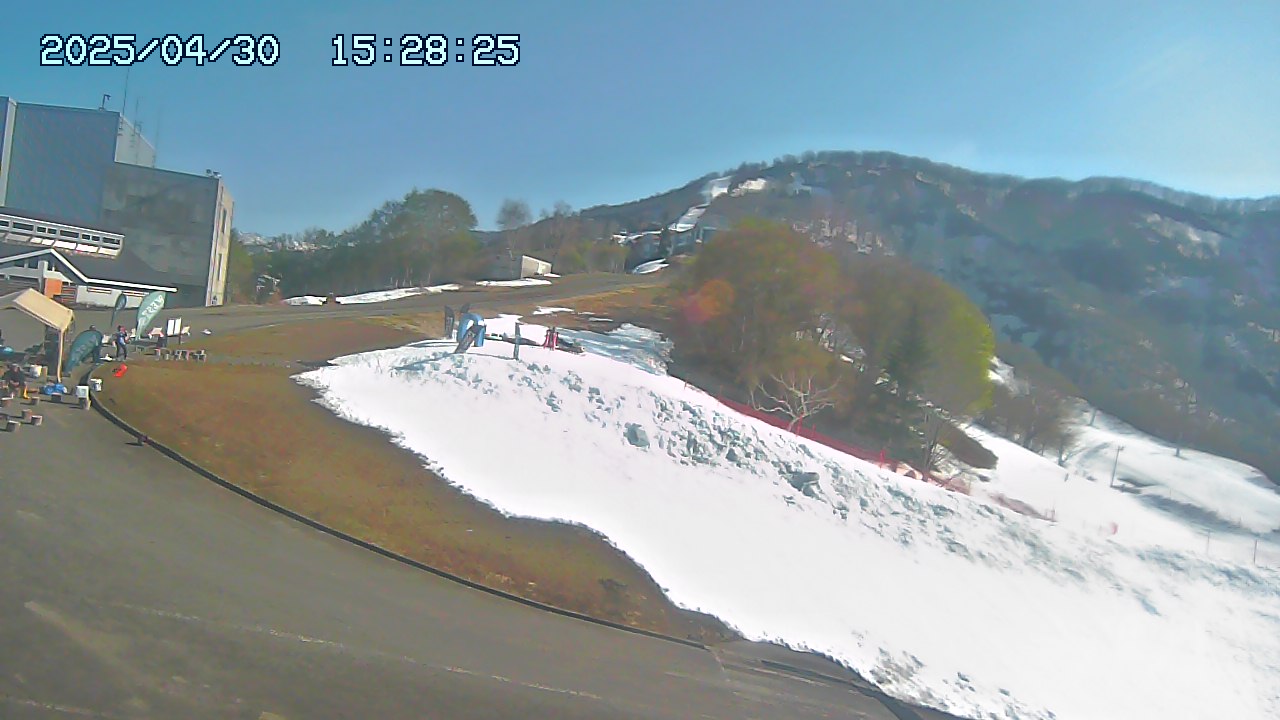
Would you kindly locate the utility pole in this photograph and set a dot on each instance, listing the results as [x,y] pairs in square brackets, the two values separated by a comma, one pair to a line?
[1115,465]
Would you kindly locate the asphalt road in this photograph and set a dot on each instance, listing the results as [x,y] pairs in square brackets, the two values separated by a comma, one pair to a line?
[21,332]
[131,587]
[242,317]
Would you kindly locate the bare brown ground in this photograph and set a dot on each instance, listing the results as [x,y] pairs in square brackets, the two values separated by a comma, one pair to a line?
[242,417]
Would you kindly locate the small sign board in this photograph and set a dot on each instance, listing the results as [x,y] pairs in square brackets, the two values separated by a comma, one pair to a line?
[173,327]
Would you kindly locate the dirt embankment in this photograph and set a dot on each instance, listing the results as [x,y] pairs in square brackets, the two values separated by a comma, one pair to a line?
[243,417]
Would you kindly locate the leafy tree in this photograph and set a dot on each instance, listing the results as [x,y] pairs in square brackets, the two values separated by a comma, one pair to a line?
[872,308]
[911,354]
[963,344]
[458,255]
[419,226]
[924,333]
[241,273]
[750,292]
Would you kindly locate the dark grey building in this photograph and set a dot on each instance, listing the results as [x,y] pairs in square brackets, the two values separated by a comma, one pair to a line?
[95,167]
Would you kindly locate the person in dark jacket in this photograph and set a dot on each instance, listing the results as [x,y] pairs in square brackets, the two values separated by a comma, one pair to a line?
[122,343]
[13,380]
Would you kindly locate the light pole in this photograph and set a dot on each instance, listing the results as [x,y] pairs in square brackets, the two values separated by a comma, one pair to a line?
[1115,465]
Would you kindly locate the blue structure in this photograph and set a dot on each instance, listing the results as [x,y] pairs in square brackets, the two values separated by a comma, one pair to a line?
[466,322]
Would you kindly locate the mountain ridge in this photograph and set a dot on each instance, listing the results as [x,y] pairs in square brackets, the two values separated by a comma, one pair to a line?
[1164,305]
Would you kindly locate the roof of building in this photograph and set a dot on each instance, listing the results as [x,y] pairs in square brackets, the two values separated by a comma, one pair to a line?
[30,215]
[50,312]
[124,268]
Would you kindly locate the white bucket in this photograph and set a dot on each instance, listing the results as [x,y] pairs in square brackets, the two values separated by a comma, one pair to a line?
[82,392]
[95,384]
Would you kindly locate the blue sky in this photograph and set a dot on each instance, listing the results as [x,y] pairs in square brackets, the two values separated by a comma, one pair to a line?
[618,100]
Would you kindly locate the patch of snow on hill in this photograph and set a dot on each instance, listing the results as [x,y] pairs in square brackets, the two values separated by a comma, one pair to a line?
[937,597]
[1234,493]
[715,188]
[1183,233]
[523,282]
[375,296]
[1002,374]
[750,186]
[689,220]
[378,296]
[649,267]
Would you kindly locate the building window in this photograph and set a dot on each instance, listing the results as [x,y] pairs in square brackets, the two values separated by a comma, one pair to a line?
[69,234]
[4,223]
[24,226]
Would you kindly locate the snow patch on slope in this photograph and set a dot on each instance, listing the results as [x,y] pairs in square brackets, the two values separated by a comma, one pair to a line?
[939,598]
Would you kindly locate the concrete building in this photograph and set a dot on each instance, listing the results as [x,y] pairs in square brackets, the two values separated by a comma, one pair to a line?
[94,168]
[74,264]
[504,267]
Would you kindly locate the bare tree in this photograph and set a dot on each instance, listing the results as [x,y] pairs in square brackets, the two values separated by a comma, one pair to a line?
[513,214]
[513,217]
[934,422]
[1067,446]
[800,394]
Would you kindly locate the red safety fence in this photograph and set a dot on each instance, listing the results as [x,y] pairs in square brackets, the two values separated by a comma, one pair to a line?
[805,432]
[879,458]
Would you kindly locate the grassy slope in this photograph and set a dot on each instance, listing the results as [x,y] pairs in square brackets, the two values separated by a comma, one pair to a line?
[244,418]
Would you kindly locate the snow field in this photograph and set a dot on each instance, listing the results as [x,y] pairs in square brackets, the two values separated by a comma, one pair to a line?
[939,598]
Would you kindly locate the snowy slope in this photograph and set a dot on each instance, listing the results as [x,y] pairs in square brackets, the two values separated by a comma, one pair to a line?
[1230,491]
[939,598]
[1202,492]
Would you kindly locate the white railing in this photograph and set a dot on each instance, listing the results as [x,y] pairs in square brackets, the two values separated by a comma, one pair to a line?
[44,233]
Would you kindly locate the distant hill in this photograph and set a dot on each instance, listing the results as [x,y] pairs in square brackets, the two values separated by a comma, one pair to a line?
[1162,306]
